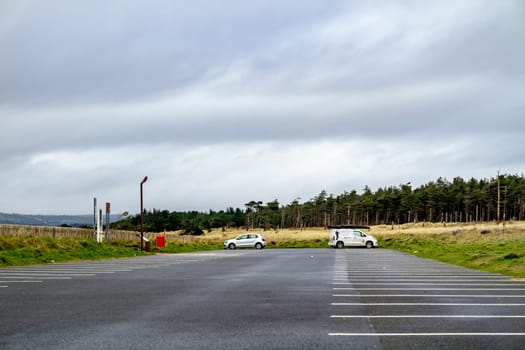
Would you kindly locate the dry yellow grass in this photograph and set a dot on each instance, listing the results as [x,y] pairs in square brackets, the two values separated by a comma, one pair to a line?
[438,228]
[283,235]
[512,230]
[461,233]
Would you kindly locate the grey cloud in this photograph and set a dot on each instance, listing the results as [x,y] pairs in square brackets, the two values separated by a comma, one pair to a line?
[424,110]
[208,97]
[117,51]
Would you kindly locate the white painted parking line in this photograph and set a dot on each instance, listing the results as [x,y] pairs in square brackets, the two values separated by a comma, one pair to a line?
[449,270]
[429,283]
[423,274]
[477,289]
[6,275]
[418,271]
[413,275]
[409,270]
[420,274]
[64,267]
[427,334]
[427,316]
[425,304]
[419,280]
[428,295]
[24,281]
[38,277]
[102,272]
[69,271]
[69,268]
[3,286]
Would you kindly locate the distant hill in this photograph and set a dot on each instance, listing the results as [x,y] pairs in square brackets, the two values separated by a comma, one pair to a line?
[50,220]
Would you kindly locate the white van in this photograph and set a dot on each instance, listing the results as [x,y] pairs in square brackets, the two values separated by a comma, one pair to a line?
[349,236]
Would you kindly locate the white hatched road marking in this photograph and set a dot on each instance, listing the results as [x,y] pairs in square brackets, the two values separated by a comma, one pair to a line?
[67,271]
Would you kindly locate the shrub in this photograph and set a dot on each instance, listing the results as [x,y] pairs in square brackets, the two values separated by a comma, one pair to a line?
[193,231]
[511,256]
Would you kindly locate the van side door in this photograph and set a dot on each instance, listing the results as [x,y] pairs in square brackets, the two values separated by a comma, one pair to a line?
[358,239]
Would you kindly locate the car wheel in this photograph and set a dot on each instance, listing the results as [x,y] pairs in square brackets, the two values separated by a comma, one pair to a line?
[369,244]
[231,246]
[340,244]
[258,245]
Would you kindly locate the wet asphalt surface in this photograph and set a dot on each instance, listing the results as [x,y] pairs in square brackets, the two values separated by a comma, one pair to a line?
[269,299]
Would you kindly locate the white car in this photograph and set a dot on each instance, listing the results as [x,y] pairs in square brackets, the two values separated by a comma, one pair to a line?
[348,236]
[247,240]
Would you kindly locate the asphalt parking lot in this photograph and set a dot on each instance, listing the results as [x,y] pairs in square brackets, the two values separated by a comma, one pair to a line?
[270,299]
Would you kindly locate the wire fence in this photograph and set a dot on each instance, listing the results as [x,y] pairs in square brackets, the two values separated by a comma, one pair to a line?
[66,232]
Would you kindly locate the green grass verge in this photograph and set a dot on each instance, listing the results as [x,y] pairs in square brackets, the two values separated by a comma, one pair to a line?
[494,253]
[298,243]
[172,247]
[28,250]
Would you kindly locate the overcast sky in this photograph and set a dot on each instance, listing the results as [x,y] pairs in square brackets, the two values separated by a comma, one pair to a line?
[224,102]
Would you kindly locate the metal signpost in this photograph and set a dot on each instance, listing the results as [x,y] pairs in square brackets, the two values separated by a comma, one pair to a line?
[108,210]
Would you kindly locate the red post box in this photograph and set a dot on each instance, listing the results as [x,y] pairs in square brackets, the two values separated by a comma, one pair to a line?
[161,241]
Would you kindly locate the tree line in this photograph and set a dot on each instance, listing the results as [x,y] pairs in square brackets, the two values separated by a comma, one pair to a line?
[495,199]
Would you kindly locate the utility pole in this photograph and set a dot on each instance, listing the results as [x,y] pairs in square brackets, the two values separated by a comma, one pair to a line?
[142,215]
[95,218]
[498,206]
[505,203]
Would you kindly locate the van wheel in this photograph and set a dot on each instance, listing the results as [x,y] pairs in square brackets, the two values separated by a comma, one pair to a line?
[369,244]
[231,246]
[340,244]
[258,246]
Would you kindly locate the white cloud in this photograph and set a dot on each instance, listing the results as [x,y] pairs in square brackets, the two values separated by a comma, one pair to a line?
[218,176]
